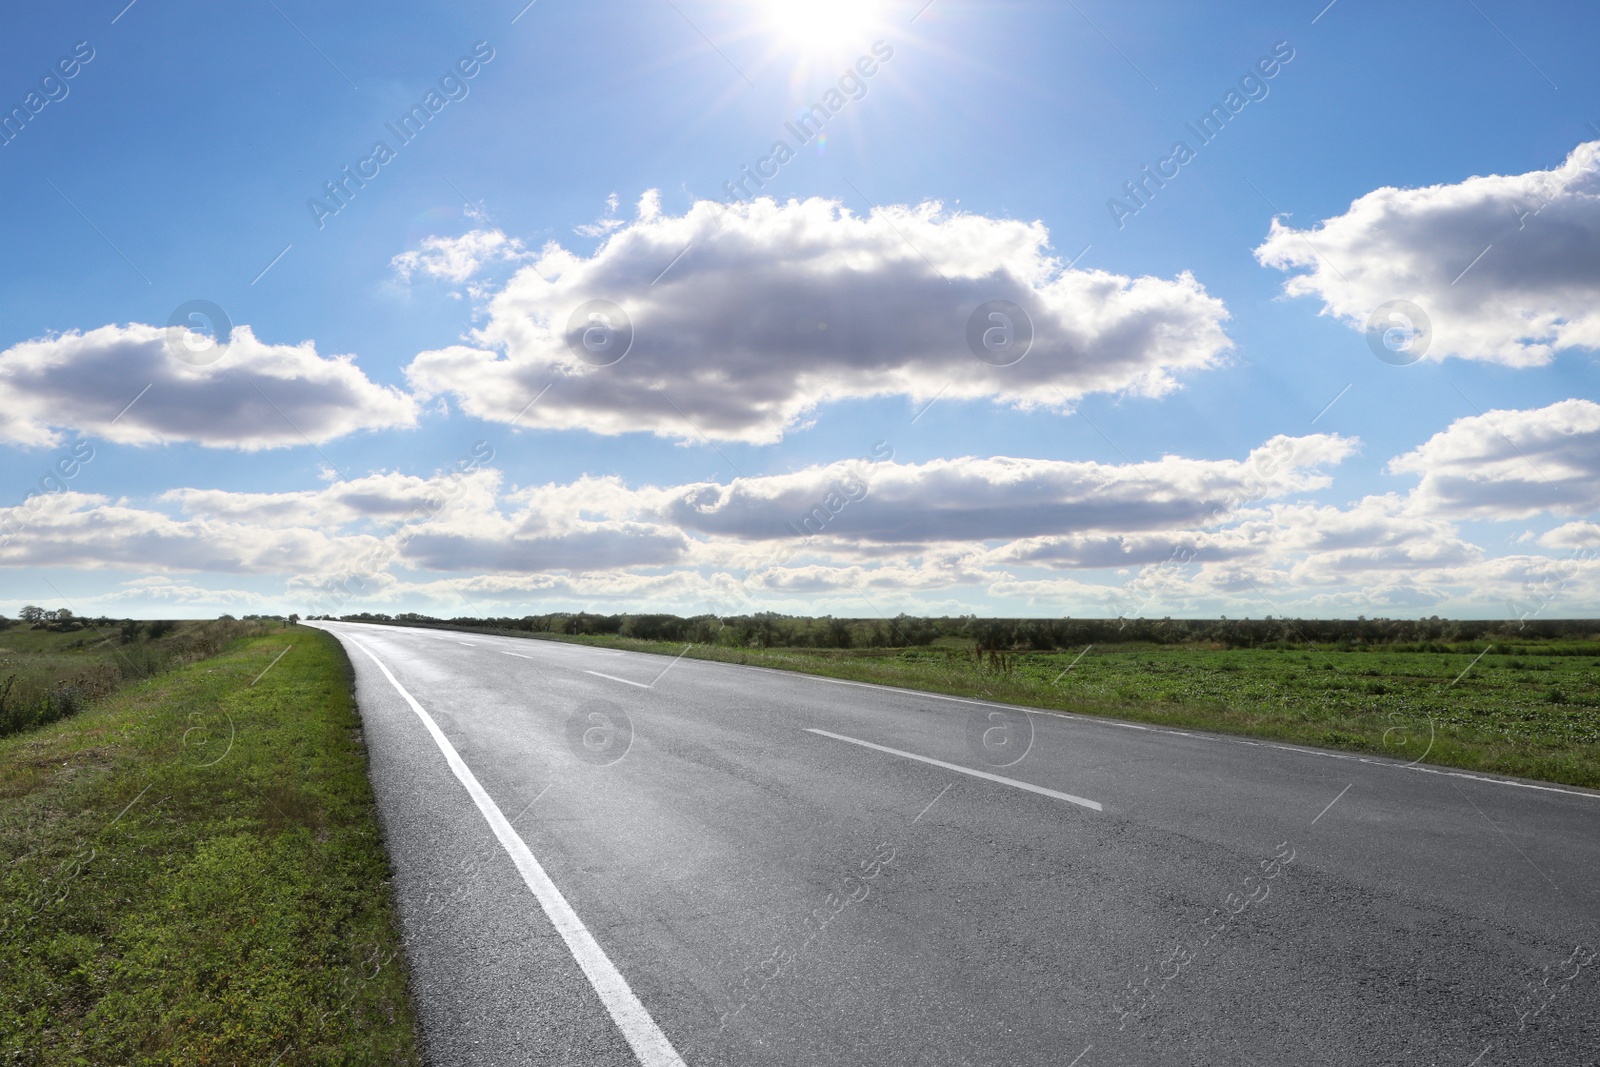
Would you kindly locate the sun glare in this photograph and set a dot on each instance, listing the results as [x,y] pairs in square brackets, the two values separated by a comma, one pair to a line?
[821,23]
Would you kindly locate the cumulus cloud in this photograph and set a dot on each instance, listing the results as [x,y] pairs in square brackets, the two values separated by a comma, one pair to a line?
[1511,464]
[1000,498]
[1535,291]
[593,524]
[1172,536]
[456,259]
[256,396]
[166,590]
[746,318]
[1377,534]
[382,497]
[84,530]
[1578,536]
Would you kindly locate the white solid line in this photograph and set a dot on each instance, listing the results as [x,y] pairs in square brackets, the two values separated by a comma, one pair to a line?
[1096,720]
[1041,790]
[649,1044]
[614,678]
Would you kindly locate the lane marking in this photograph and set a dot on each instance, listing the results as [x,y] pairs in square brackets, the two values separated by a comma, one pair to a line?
[1215,738]
[469,644]
[519,655]
[1029,786]
[1097,720]
[614,678]
[649,1044]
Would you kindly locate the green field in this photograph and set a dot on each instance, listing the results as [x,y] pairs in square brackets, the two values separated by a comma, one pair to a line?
[47,674]
[1527,707]
[193,872]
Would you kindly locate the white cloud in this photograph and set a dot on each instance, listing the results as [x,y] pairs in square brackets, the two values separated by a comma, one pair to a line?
[1578,536]
[256,396]
[456,259]
[746,318]
[1535,291]
[602,226]
[1174,536]
[1511,464]
[1000,498]
[383,497]
[83,530]
[167,591]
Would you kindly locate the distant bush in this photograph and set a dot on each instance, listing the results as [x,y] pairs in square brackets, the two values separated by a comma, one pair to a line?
[772,630]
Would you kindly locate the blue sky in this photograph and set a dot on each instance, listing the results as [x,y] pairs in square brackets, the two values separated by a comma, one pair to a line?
[386,341]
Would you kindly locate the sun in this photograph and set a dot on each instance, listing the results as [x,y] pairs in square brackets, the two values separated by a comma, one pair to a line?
[821,23]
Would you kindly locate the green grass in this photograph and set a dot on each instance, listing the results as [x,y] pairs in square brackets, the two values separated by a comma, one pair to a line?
[47,675]
[1528,708]
[192,874]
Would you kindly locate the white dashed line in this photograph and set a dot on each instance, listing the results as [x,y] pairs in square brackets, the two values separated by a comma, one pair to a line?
[614,678]
[985,775]
[1099,721]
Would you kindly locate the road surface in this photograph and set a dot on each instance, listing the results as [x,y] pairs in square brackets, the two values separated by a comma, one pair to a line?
[616,858]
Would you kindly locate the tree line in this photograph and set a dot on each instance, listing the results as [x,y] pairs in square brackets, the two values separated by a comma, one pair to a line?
[773,630]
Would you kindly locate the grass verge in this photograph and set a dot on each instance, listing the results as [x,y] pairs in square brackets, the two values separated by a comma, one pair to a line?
[1529,708]
[193,874]
[49,674]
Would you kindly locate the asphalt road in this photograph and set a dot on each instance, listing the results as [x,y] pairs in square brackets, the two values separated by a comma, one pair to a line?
[614,858]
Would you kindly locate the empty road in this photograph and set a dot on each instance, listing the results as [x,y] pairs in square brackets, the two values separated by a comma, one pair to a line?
[615,858]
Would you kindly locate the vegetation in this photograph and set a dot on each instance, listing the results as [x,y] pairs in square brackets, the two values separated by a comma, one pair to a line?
[771,630]
[56,664]
[193,873]
[1504,697]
